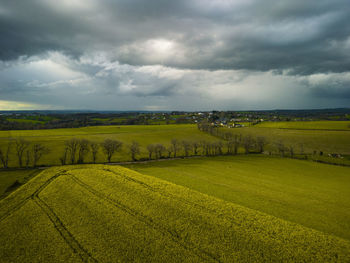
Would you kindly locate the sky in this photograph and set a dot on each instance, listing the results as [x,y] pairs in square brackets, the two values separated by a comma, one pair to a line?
[174,55]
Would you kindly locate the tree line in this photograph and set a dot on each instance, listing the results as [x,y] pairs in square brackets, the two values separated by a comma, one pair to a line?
[28,154]
[249,143]
[77,151]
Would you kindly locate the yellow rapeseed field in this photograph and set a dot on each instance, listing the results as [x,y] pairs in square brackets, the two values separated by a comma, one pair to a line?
[97,213]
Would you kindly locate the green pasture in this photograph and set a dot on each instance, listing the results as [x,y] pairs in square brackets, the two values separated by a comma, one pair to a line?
[306,125]
[9,177]
[54,139]
[308,193]
[307,140]
[97,213]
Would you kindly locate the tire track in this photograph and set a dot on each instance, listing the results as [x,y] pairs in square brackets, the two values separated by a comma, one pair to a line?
[84,255]
[59,226]
[204,255]
[25,200]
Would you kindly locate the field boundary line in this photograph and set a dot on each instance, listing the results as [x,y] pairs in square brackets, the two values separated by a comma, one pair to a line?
[204,255]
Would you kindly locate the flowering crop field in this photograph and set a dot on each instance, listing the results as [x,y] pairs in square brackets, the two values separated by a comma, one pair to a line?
[97,213]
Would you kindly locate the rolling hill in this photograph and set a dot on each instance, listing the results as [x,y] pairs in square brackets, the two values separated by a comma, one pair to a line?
[97,213]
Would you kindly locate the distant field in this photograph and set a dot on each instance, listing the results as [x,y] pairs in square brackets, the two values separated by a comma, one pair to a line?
[308,140]
[144,134]
[9,177]
[328,141]
[25,120]
[311,194]
[112,214]
[307,125]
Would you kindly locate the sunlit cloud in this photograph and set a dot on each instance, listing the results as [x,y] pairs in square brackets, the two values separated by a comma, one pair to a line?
[16,105]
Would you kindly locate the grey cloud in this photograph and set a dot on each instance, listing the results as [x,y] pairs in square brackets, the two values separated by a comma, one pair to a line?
[331,86]
[304,37]
[98,83]
[198,54]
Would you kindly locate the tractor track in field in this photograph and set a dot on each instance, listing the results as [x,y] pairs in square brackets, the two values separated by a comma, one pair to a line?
[167,195]
[204,255]
[25,200]
[68,237]
[58,225]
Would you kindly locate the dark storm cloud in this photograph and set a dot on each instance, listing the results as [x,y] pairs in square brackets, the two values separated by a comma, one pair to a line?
[301,36]
[336,86]
[156,54]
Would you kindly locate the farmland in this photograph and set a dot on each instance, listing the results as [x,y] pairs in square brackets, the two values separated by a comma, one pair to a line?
[308,193]
[97,213]
[304,141]
[54,139]
[326,140]
[307,125]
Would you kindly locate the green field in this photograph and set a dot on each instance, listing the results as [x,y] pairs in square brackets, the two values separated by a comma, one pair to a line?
[112,214]
[306,125]
[308,193]
[9,177]
[328,141]
[144,134]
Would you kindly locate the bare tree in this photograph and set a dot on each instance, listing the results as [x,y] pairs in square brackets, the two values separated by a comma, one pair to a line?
[134,150]
[291,151]
[21,145]
[236,143]
[150,149]
[176,146]
[261,142]
[217,147]
[72,146]
[159,150]
[301,148]
[248,143]
[281,148]
[94,150]
[5,155]
[187,147]
[110,147]
[169,149]
[63,158]
[38,150]
[229,147]
[83,149]
[28,157]
[195,146]
[205,147]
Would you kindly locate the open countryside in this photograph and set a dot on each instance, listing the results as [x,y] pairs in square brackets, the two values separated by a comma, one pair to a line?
[180,198]
[174,131]
[104,213]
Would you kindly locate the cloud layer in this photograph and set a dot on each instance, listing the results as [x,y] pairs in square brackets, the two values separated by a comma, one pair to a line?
[183,55]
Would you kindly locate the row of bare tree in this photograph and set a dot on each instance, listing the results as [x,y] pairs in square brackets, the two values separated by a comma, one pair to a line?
[76,150]
[248,142]
[187,148]
[27,153]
